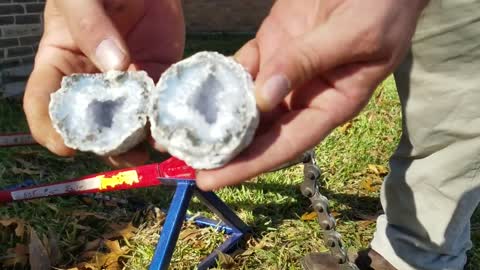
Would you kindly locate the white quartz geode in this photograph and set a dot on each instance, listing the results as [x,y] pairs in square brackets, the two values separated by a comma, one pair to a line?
[102,113]
[203,110]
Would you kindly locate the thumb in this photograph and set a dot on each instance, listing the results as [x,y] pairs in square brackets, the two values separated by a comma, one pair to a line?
[95,33]
[300,61]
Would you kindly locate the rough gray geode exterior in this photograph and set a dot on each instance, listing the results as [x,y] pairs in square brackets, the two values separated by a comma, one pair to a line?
[67,123]
[181,139]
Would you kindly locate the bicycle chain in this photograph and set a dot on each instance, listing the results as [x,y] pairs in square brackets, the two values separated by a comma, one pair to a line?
[310,189]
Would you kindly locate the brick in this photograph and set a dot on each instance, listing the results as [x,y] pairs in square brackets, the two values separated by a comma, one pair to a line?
[28,60]
[30,40]
[19,51]
[8,42]
[21,30]
[11,9]
[27,19]
[7,20]
[35,8]
[8,63]
[235,16]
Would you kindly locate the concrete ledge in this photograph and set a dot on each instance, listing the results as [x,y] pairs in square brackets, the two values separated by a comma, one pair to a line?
[12,90]
[13,81]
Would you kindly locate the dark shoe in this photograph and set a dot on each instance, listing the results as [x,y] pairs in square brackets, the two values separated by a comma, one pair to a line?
[365,260]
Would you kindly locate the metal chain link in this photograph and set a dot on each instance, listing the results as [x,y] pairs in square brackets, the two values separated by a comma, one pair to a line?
[309,189]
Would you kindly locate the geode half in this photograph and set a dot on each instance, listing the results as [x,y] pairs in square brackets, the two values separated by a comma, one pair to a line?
[102,113]
[203,110]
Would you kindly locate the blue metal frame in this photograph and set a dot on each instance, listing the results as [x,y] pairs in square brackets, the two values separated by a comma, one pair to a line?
[232,224]
[173,224]
[177,213]
[240,230]
[214,224]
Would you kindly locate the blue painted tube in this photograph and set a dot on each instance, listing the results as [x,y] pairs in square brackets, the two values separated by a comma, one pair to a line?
[227,247]
[173,224]
[206,222]
[221,210]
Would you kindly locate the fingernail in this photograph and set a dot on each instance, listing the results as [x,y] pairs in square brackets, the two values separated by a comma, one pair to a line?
[109,56]
[274,90]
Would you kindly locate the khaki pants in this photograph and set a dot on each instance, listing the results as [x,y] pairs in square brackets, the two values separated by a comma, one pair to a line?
[434,184]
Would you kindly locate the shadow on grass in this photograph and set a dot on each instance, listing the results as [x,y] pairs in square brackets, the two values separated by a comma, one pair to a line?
[298,205]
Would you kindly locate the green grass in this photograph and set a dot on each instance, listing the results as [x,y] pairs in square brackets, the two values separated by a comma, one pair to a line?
[271,203]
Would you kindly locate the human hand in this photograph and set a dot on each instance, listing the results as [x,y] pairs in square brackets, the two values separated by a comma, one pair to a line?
[316,64]
[98,35]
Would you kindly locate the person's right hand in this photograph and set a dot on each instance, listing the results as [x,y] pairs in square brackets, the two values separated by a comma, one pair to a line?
[86,36]
[316,64]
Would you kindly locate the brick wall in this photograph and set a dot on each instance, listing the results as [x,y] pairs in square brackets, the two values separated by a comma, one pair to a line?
[225,15]
[20,23]
[20,30]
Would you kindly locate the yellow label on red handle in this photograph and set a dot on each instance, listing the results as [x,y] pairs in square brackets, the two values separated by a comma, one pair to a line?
[126,177]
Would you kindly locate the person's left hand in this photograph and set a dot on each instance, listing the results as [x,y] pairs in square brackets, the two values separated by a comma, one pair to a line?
[88,36]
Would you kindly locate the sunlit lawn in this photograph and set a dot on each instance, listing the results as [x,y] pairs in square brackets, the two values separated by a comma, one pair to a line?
[90,234]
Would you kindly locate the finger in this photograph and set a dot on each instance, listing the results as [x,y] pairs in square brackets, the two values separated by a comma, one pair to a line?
[95,33]
[287,139]
[267,119]
[297,63]
[156,145]
[44,80]
[125,14]
[135,157]
[249,57]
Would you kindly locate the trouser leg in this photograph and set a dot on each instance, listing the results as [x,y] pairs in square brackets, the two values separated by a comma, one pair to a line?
[434,184]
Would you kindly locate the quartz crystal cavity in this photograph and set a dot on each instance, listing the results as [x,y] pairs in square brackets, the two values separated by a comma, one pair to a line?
[102,113]
[203,110]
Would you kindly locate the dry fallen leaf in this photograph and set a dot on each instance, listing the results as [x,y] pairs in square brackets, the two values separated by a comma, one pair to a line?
[18,223]
[225,260]
[110,261]
[38,255]
[309,216]
[369,185]
[114,247]
[189,234]
[343,128]
[378,169]
[125,230]
[53,248]
[17,256]
[85,266]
